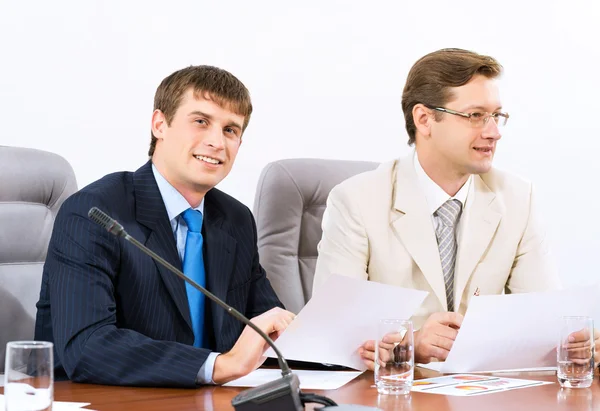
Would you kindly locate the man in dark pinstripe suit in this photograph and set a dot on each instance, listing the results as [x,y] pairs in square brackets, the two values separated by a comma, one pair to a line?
[114,315]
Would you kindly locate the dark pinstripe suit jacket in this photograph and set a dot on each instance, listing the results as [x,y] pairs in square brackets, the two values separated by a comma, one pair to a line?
[114,315]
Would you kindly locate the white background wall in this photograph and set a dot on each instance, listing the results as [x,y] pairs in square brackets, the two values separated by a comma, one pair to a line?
[326,77]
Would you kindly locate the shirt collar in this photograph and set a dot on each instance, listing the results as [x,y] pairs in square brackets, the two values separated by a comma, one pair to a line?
[175,203]
[434,194]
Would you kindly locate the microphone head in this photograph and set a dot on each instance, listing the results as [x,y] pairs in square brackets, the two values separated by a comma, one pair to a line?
[100,217]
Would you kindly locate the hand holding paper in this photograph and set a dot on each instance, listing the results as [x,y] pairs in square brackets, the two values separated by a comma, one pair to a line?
[436,338]
[515,331]
[341,317]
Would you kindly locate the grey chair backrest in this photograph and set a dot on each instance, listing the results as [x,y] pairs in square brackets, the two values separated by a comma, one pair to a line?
[290,200]
[33,185]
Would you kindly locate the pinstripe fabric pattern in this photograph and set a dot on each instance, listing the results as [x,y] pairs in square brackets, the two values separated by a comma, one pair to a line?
[115,316]
[448,213]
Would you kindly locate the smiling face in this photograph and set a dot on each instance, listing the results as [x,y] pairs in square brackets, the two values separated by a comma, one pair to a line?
[197,149]
[466,148]
[452,144]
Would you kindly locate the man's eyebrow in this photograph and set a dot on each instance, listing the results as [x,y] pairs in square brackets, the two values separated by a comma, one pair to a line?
[199,113]
[234,124]
[480,108]
[208,116]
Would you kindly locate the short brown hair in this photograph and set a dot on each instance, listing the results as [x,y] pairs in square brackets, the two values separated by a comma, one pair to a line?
[209,82]
[431,77]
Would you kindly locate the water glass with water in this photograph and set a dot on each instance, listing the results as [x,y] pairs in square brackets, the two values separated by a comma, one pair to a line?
[575,352]
[29,376]
[394,357]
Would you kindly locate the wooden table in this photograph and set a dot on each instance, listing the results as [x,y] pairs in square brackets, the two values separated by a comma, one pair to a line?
[359,391]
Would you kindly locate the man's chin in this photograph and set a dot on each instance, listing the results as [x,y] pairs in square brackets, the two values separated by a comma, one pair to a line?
[207,182]
[481,168]
[204,185]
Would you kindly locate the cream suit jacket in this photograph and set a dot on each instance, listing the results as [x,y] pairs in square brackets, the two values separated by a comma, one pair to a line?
[377,227]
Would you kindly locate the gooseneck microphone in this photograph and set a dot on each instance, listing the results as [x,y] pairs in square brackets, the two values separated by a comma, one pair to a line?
[113,227]
[282,394]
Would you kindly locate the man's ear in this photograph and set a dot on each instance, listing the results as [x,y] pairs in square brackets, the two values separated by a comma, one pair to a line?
[159,124]
[422,118]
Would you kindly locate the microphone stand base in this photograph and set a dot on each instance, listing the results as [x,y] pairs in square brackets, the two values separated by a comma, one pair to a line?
[282,394]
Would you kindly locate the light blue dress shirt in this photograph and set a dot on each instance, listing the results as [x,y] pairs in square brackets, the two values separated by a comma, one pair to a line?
[176,204]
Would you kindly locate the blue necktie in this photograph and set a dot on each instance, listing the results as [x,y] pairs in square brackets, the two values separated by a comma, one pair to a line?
[193,267]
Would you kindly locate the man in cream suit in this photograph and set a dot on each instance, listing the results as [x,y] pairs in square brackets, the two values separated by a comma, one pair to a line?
[441,220]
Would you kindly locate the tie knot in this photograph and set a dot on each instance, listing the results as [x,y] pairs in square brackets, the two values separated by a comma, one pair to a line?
[449,212]
[193,219]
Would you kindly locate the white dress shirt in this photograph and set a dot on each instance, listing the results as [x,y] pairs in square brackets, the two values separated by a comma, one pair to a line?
[176,204]
[436,196]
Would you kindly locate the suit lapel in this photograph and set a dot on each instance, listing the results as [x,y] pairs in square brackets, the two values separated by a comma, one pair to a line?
[412,223]
[481,225]
[151,212]
[219,256]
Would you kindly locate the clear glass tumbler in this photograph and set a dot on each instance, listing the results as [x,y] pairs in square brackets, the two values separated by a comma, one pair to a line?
[394,357]
[29,376]
[575,352]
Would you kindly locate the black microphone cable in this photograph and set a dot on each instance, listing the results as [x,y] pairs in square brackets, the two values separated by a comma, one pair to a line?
[308,398]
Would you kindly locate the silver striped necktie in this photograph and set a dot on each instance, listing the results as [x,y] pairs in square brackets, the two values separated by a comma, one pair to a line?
[448,215]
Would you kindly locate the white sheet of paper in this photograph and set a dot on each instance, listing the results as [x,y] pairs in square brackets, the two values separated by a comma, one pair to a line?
[515,331]
[437,366]
[57,405]
[340,317]
[309,379]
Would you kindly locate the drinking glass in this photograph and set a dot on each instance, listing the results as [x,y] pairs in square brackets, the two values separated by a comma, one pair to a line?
[29,376]
[575,352]
[394,357]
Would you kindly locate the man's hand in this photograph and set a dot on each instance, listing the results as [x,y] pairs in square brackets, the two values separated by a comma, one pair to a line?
[388,350]
[367,354]
[436,337]
[579,346]
[247,353]
[433,340]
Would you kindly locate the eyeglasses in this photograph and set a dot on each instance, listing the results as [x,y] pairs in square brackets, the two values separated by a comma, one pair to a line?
[477,118]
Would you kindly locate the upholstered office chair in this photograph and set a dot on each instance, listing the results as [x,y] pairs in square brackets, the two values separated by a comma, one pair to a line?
[289,204]
[33,185]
